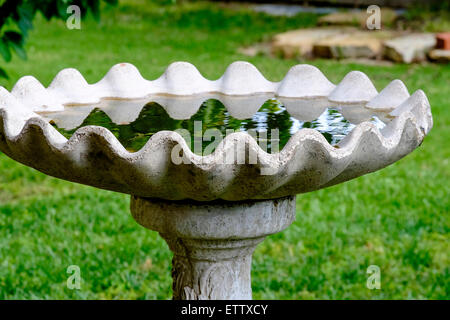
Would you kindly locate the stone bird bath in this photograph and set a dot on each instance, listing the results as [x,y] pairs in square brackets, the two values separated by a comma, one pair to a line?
[212,209]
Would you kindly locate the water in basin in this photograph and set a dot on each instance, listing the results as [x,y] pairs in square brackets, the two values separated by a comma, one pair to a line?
[274,120]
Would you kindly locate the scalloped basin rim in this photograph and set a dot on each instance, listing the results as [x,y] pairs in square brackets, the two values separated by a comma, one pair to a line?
[94,156]
[183,79]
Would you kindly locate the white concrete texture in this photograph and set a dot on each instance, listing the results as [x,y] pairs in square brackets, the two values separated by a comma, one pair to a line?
[94,156]
[338,42]
[213,242]
[393,95]
[439,55]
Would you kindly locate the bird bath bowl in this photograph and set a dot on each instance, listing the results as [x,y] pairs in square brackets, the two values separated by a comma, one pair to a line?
[213,166]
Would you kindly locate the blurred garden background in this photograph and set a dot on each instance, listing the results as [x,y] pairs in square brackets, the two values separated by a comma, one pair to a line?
[397,218]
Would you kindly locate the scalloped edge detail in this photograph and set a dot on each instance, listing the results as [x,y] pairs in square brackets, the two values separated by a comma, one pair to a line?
[306,163]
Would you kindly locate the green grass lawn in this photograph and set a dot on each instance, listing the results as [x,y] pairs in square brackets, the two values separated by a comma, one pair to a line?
[397,218]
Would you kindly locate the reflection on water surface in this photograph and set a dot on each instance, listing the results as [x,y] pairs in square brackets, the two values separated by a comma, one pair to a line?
[275,120]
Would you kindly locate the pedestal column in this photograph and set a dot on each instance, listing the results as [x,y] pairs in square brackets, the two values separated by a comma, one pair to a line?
[213,242]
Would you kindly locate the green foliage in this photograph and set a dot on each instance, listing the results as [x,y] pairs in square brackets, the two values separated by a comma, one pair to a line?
[16,19]
[422,19]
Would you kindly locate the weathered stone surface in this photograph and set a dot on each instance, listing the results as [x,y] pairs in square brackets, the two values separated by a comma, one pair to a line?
[356,17]
[410,48]
[301,42]
[355,88]
[390,97]
[95,157]
[213,243]
[305,81]
[343,42]
[352,44]
[439,55]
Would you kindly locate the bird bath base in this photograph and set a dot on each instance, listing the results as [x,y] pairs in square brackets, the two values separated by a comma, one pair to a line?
[213,242]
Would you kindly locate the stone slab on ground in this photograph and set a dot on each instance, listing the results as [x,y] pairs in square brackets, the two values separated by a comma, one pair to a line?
[356,17]
[410,48]
[341,43]
[300,42]
[439,55]
[352,44]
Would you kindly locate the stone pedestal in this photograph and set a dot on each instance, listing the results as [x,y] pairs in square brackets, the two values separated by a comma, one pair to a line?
[213,242]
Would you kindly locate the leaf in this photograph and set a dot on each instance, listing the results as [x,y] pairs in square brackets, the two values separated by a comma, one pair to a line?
[13,37]
[3,74]
[25,19]
[5,51]
[61,7]
[19,50]
[94,5]
[24,25]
